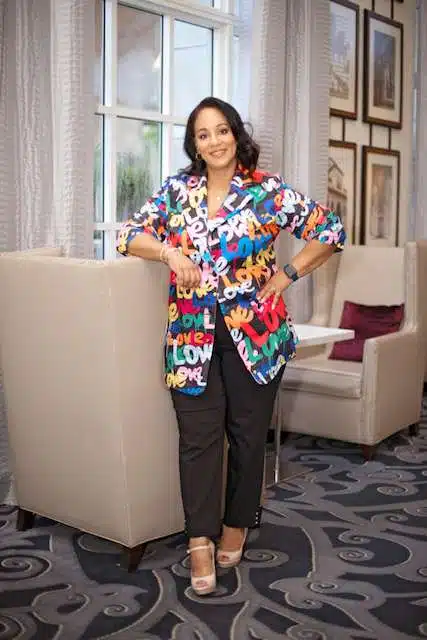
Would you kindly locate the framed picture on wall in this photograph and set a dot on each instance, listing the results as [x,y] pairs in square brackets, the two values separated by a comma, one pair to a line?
[343,64]
[342,184]
[383,71]
[380,197]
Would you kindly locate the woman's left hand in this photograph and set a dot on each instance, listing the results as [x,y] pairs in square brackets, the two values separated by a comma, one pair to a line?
[274,287]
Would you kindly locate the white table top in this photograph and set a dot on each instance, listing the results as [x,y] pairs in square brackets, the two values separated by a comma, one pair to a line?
[311,335]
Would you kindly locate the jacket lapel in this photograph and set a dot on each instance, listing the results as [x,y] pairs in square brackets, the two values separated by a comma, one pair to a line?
[196,214]
[239,195]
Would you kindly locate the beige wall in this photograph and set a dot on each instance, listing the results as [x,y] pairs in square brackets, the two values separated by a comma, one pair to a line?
[401,139]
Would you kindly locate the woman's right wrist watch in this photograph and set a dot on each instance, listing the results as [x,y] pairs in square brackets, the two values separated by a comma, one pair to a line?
[291,272]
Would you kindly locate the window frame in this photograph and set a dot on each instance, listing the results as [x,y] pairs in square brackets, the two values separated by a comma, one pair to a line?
[222,21]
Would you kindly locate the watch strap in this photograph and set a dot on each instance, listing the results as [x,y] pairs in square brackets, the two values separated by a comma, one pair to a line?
[291,272]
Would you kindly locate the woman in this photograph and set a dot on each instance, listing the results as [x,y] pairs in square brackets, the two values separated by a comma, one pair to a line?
[229,335]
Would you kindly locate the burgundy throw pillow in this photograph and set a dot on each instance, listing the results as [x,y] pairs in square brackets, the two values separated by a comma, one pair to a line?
[367,321]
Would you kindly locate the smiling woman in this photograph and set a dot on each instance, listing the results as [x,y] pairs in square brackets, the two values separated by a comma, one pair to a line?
[215,127]
[215,144]
[229,334]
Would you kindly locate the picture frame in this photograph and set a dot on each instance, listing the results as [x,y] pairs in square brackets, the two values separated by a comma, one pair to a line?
[341,196]
[344,58]
[383,70]
[380,197]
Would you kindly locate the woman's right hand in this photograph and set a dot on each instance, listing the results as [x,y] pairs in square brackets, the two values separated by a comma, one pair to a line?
[187,273]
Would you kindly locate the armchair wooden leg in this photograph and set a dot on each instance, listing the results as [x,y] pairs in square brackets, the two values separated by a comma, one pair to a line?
[414,429]
[133,556]
[368,451]
[25,520]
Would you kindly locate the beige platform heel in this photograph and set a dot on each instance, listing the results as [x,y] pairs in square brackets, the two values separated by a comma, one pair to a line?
[203,585]
[228,559]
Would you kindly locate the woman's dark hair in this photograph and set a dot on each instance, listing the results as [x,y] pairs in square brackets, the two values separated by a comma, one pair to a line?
[247,148]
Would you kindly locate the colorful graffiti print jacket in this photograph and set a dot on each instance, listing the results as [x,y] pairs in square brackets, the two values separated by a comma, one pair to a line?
[236,254]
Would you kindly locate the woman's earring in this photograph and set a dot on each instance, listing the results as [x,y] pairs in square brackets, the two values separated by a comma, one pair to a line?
[198,156]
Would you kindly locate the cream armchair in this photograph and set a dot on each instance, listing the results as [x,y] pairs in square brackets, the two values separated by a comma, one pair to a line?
[360,402]
[92,431]
[43,251]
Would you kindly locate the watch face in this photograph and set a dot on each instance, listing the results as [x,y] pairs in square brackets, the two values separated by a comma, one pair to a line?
[291,272]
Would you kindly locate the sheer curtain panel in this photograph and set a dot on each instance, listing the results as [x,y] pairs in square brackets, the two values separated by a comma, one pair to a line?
[290,107]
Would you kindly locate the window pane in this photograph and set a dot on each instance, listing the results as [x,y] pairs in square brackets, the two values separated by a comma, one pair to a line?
[98,245]
[99,52]
[206,3]
[179,160]
[192,51]
[138,164]
[98,172]
[139,59]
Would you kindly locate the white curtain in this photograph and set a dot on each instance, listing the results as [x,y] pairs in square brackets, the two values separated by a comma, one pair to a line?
[47,124]
[290,107]
[418,215]
[46,130]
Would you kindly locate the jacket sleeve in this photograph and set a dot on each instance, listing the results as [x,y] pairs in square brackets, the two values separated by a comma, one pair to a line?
[306,219]
[152,218]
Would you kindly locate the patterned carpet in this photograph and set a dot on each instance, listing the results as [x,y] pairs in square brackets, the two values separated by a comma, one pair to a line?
[341,555]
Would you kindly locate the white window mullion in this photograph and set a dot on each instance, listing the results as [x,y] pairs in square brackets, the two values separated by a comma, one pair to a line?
[139,114]
[167,61]
[110,53]
[110,174]
[110,150]
[222,62]
[167,94]
[227,6]
[188,10]
[166,168]
[105,226]
[110,125]
[228,60]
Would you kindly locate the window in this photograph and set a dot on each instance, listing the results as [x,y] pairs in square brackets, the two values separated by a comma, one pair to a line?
[154,62]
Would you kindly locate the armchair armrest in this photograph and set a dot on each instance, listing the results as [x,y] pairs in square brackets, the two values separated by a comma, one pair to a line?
[393,355]
[392,379]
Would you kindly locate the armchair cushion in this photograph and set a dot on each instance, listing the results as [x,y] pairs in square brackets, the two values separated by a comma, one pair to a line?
[367,321]
[317,374]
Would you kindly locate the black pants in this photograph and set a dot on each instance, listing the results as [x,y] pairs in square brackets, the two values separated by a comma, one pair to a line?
[237,405]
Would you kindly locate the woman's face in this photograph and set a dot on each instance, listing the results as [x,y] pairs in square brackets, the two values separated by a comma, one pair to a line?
[214,139]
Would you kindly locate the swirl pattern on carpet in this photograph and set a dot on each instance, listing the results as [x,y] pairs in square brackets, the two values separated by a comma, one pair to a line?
[341,554]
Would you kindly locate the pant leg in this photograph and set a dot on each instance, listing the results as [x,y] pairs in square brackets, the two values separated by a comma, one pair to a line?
[249,410]
[201,423]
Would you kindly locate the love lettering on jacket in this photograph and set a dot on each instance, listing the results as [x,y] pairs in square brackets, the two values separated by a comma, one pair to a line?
[235,252]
